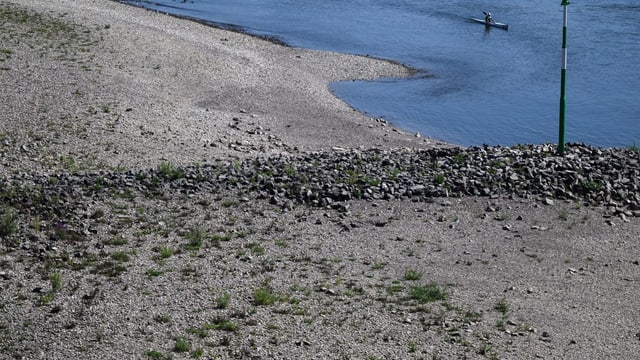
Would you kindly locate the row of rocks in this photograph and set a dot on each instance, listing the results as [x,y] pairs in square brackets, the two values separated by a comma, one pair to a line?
[587,174]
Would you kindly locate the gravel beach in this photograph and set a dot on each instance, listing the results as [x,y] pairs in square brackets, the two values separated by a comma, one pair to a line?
[170,190]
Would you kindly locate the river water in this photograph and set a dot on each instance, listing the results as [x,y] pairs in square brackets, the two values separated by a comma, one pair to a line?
[474,85]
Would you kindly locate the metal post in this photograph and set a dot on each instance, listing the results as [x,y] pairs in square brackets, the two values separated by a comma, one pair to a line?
[563,75]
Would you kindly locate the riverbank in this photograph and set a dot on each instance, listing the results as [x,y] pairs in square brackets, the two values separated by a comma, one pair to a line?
[128,81]
[223,204]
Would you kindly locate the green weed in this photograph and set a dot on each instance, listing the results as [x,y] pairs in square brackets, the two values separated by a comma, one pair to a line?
[196,238]
[428,293]
[264,296]
[257,249]
[563,215]
[154,272]
[165,252]
[181,346]
[56,282]
[221,324]
[413,347]
[170,171]
[197,353]
[8,221]
[592,185]
[120,256]
[222,302]
[413,275]
[502,306]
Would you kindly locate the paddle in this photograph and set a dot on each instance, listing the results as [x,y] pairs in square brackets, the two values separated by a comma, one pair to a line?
[485,14]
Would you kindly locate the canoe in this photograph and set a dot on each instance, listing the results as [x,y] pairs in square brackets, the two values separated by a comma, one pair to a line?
[494,24]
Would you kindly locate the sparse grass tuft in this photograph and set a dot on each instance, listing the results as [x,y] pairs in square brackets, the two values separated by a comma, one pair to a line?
[200,332]
[281,243]
[487,351]
[56,282]
[459,158]
[48,35]
[8,221]
[116,241]
[196,238]
[162,319]
[413,347]
[428,293]
[413,275]
[502,306]
[154,273]
[563,215]
[395,288]
[229,203]
[222,302]
[264,296]
[225,237]
[165,252]
[109,268]
[120,256]
[217,324]
[221,324]
[181,346]
[47,298]
[592,185]
[257,249]
[197,353]
[170,171]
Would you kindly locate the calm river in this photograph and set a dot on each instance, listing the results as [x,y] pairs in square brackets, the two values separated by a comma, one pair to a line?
[475,86]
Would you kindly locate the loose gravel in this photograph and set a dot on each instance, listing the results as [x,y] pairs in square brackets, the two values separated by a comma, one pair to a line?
[159,206]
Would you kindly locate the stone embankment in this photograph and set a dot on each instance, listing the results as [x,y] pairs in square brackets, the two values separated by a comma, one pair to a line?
[586,175]
[590,175]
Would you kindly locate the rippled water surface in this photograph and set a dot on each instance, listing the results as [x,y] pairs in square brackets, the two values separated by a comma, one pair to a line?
[475,86]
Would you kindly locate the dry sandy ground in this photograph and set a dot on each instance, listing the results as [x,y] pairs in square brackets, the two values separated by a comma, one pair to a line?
[102,86]
[131,81]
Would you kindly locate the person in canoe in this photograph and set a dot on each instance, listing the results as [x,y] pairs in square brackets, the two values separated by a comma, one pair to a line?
[487,18]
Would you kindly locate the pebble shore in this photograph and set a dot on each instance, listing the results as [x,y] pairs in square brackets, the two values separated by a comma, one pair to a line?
[590,175]
[226,205]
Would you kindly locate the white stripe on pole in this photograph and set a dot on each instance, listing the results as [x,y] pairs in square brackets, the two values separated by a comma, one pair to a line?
[564,45]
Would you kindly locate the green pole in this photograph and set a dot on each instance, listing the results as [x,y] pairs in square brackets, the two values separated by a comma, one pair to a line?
[563,76]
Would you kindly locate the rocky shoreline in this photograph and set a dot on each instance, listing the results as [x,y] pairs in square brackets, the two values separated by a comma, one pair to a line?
[585,174]
[596,176]
[87,227]
[157,206]
[74,242]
